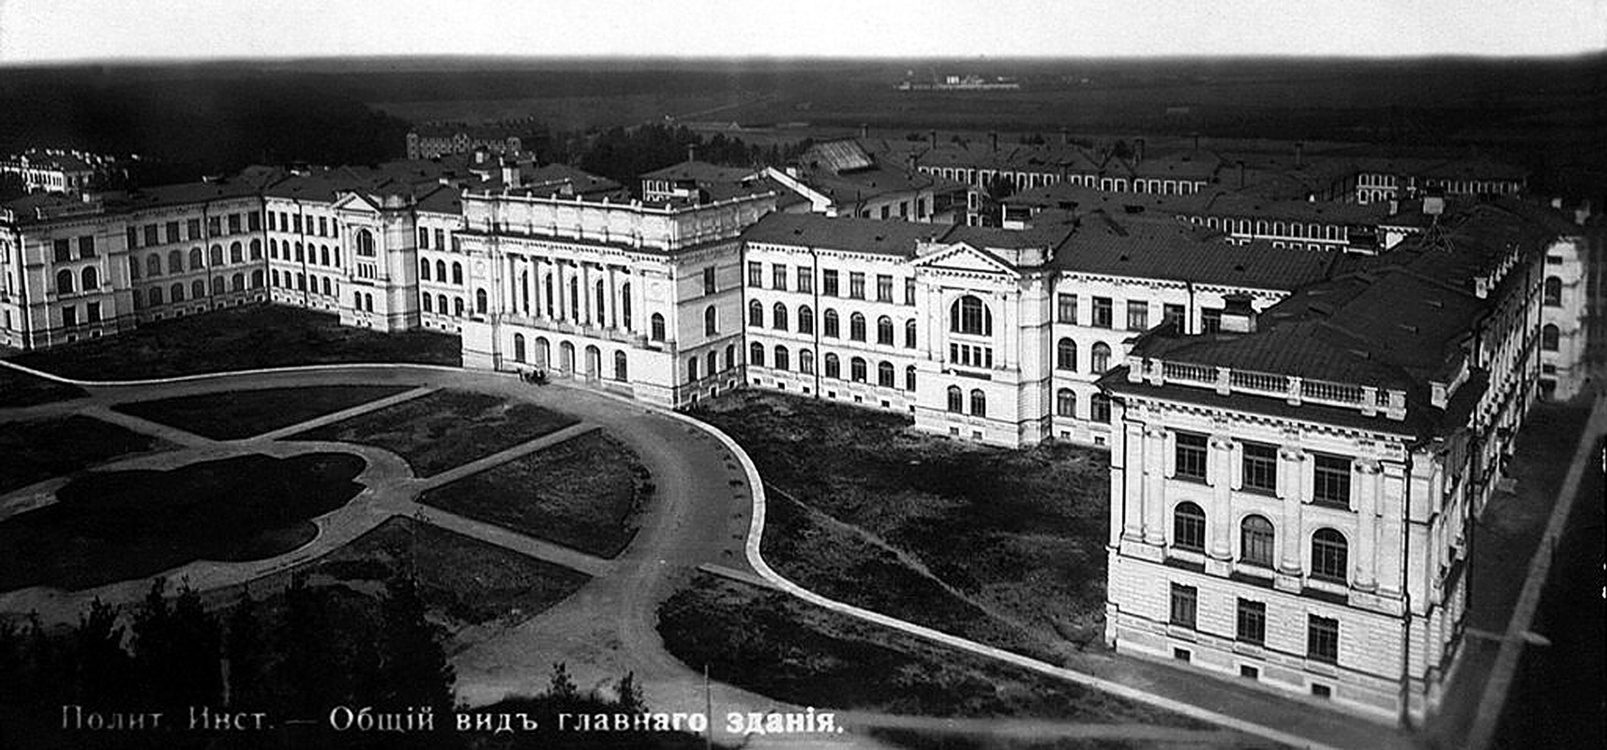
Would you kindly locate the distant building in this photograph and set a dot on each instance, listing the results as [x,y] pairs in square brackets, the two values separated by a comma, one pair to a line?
[59,171]
[433,139]
[858,183]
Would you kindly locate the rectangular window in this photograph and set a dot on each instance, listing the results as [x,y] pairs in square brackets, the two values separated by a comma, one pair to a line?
[133,238]
[1322,639]
[214,226]
[63,250]
[172,231]
[1185,605]
[828,283]
[295,220]
[1173,314]
[1260,468]
[806,280]
[1190,456]
[440,238]
[856,285]
[909,291]
[1331,480]
[423,238]
[1102,313]
[150,235]
[778,277]
[708,280]
[254,221]
[323,226]
[93,312]
[1066,308]
[234,223]
[1252,622]
[69,316]
[192,229]
[1210,320]
[884,288]
[1137,316]
[755,274]
[86,246]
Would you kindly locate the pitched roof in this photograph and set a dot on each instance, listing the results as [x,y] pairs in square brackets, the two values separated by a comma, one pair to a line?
[885,237]
[1157,251]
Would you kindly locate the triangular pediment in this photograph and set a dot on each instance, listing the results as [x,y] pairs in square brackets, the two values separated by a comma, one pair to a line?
[964,258]
[356,202]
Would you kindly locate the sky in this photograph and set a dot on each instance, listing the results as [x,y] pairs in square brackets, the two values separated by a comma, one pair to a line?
[46,31]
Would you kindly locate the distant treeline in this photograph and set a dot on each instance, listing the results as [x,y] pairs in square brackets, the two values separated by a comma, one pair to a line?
[623,154]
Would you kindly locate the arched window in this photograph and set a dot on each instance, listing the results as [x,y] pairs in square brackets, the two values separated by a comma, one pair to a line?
[1099,408]
[429,303]
[884,331]
[457,306]
[519,347]
[1066,355]
[175,261]
[691,369]
[1099,359]
[806,319]
[424,270]
[1550,337]
[979,403]
[909,333]
[91,278]
[886,375]
[625,305]
[237,282]
[857,370]
[714,362]
[1255,541]
[301,253]
[830,323]
[909,378]
[756,354]
[481,301]
[657,326]
[1188,527]
[256,279]
[833,367]
[236,252]
[197,289]
[600,298]
[543,351]
[1329,555]
[1553,292]
[273,249]
[1065,403]
[856,327]
[956,399]
[153,265]
[365,243]
[440,273]
[730,356]
[621,369]
[969,316]
[256,249]
[806,361]
[195,258]
[711,321]
[755,314]
[440,304]
[216,255]
[778,317]
[156,295]
[782,361]
[176,292]
[64,281]
[457,274]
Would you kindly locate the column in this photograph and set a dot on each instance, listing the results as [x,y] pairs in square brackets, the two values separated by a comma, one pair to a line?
[1366,476]
[1155,486]
[561,289]
[537,296]
[583,273]
[1291,463]
[1133,489]
[613,298]
[1220,520]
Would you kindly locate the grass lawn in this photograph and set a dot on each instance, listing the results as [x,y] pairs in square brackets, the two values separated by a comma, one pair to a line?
[463,580]
[582,493]
[775,645]
[1001,546]
[239,414]
[445,429]
[242,338]
[114,526]
[40,449]
[21,389]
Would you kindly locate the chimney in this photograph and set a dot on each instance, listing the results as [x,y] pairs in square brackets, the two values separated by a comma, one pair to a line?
[1300,154]
[1196,141]
[931,139]
[993,139]
[510,173]
[864,130]
[1241,174]
[1556,203]
[691,152]
[1065,137]
[1140,155]
[479,156]
[1238,315]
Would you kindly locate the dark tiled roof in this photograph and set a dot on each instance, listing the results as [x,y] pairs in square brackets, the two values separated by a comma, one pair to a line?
[1154,251]
[886,237]
[699,172]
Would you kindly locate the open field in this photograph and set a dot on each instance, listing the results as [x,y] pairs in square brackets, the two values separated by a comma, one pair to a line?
[40,449]
[107,527]
[242,338]
[1005,547]
[20,389]
[239,414]
[445,429]
[583,493]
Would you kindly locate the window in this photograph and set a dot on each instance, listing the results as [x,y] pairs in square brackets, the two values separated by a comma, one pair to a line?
[150,234]
[755,314]
[1099,408]
[856,327]
[909,378]
[969,316]
[828,283]
[806,280]
[424,270]
[1173,314]
[1102,313]
[755,274]
[91,279]
[1210,320]
[177,293]
[714,362]
[192,229]
[457,278]
[440,238]
[806,361]
[254,221]
[256,248]
[171,231]
[1188,527]
[1553,292]
[1190,456]
[1550,337]
[691,369]
[625,306]
[1260,468]
[884,288]
[1066,308]
[711,321]
[909,291]
[86,246]
[480,301]
[831,323]
[885,375]
[1255,541]
[1185,605]
[1331,481]
[64,281]
[156,296]
[621,371]
[236,252]
[214,226]
[857,371]
[1322,639]
[1328,555]
[806,319]
[1065,403]
[133,238]
[1066,355]
[756,354]
[781,362]
[856,285]
[956,400]
[1252,625]
[153,265]
[884,331]
[365,249]
[1099,359]
[195,258]
[833,367]
[424,244]
[234,223]
[429,302]
[69,316]
[909,334]
[63,250]
[778,277]
[1137,316]
[778,317]
[657,327]
[979,403]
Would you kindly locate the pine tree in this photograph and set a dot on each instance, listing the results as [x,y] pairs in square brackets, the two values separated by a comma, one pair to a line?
[561,688]
[103,665]
[413,668]
[630,695]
